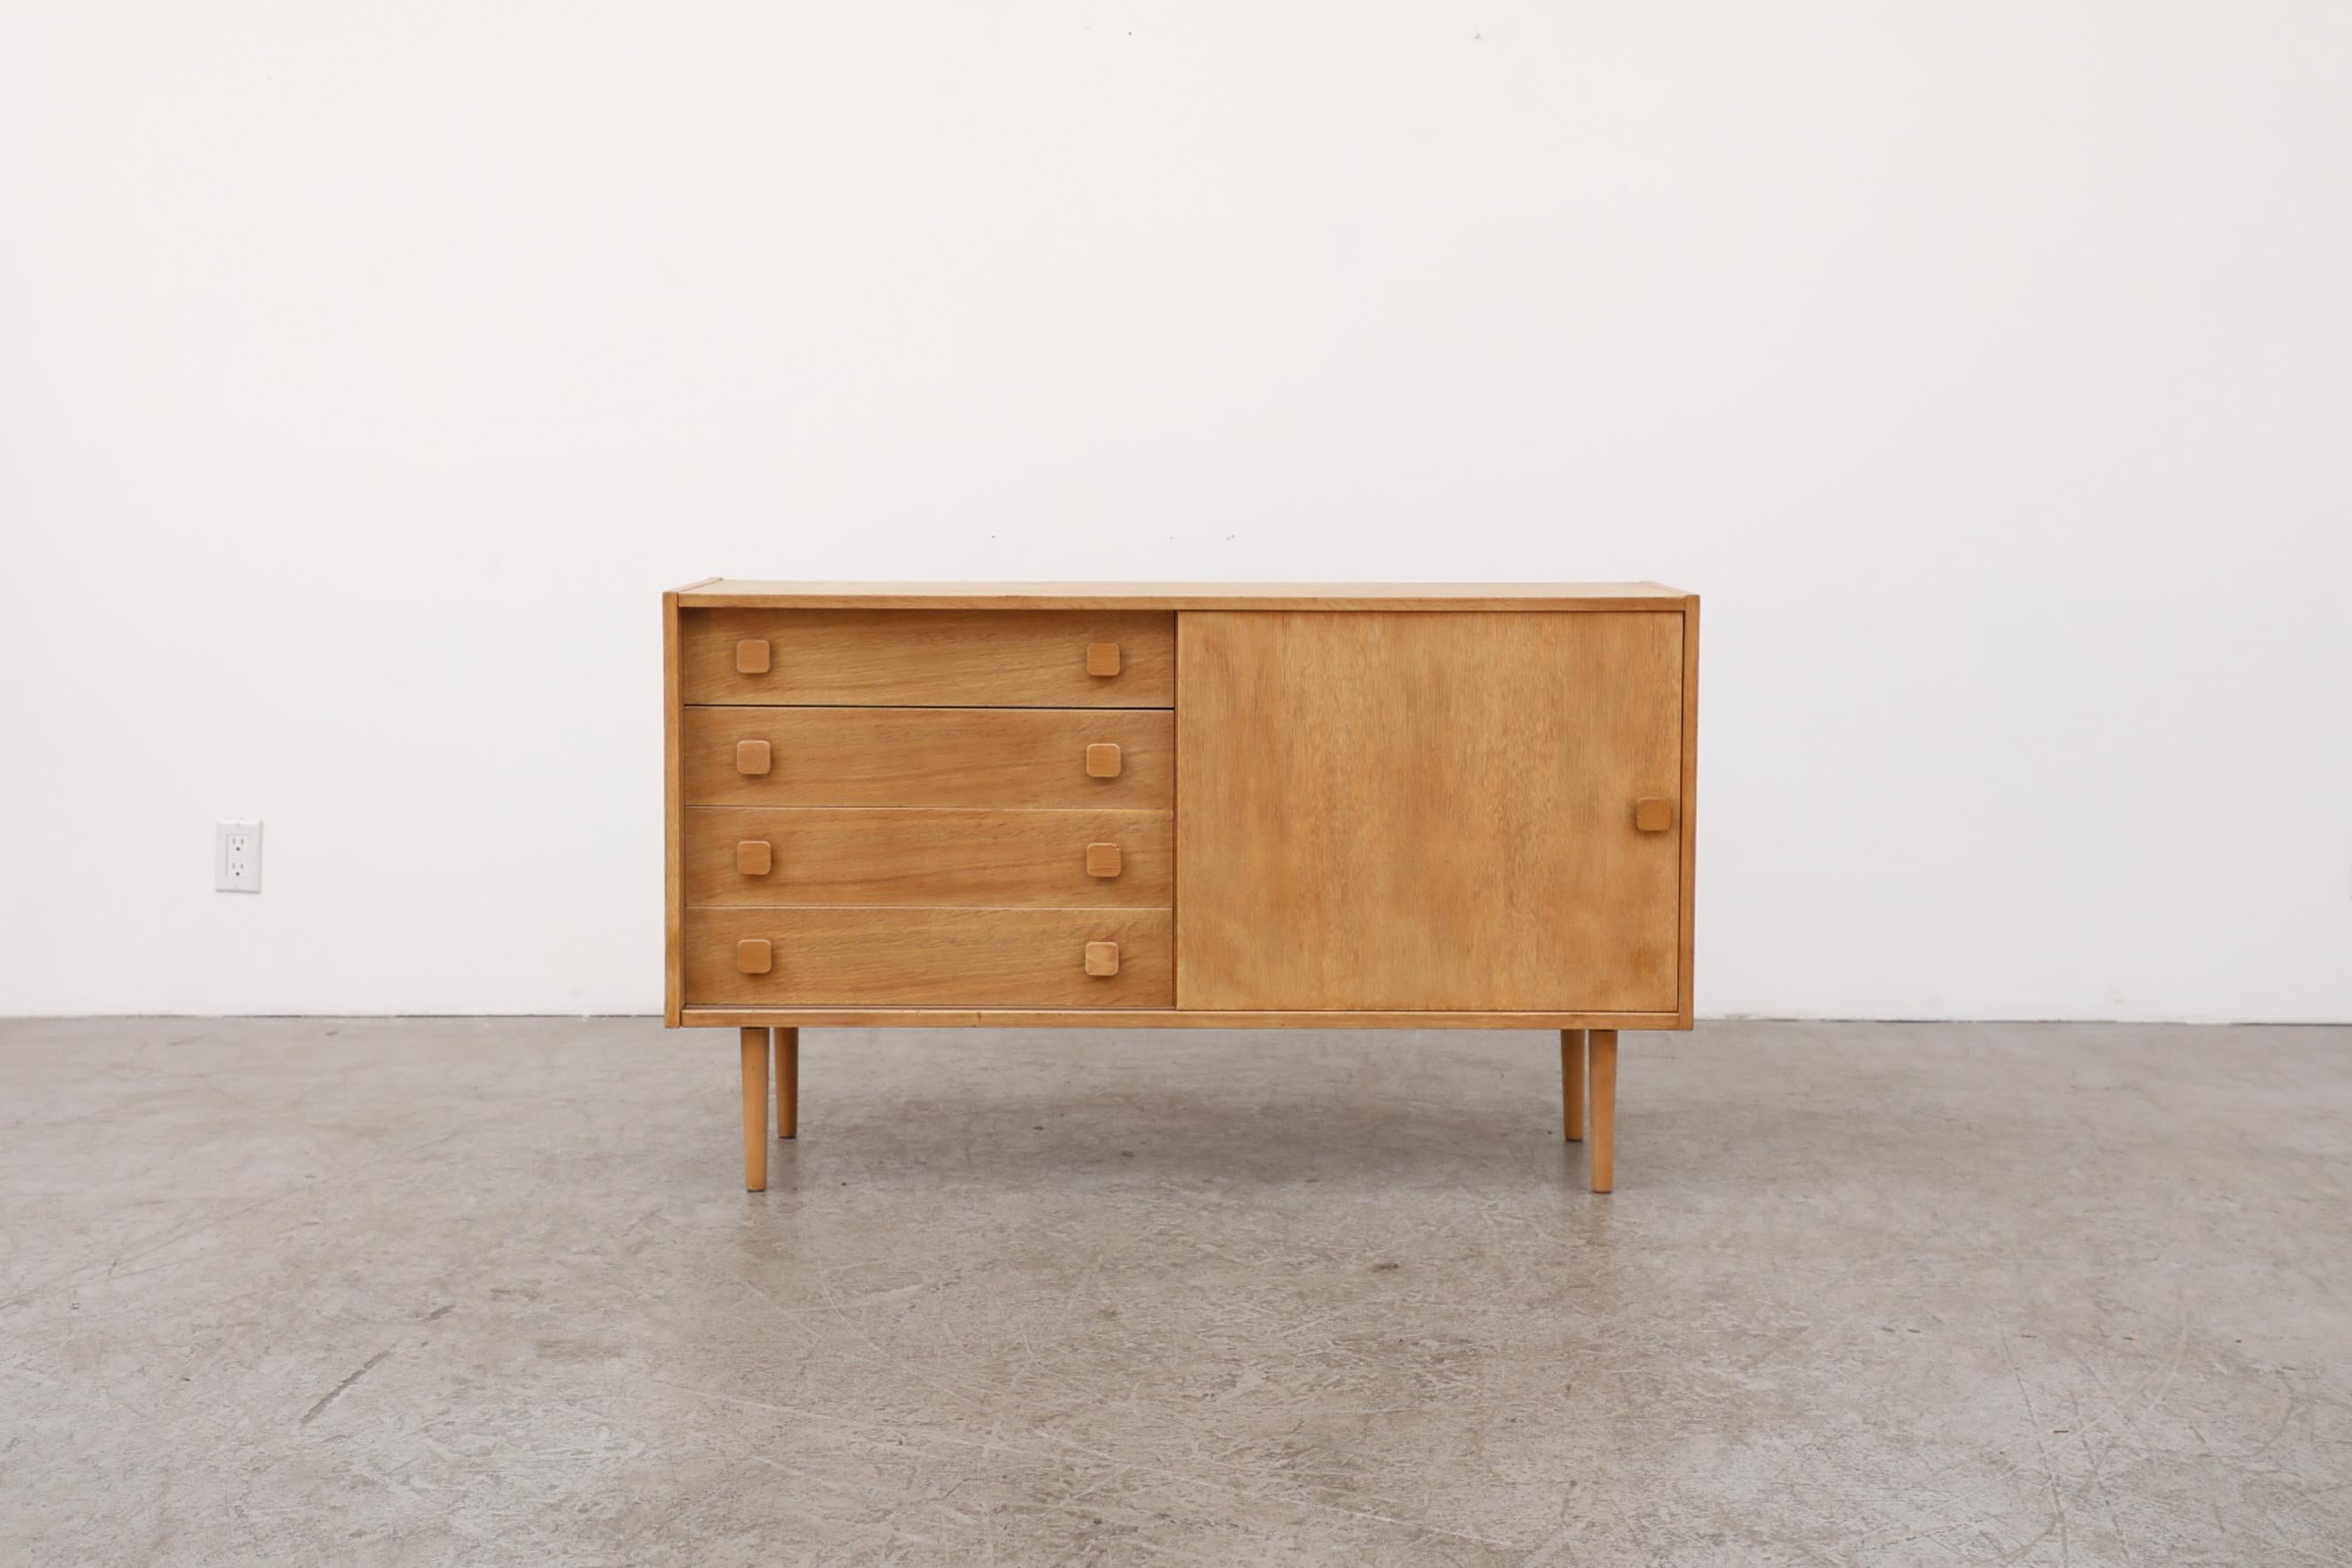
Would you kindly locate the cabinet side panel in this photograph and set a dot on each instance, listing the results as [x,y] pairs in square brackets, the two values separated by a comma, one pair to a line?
[673,877]
[1688,913]
[1428,812]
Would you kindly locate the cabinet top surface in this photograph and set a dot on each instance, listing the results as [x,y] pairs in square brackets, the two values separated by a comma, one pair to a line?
[723,592]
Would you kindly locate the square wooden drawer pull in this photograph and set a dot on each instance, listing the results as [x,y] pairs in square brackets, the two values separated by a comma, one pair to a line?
[753,956]
[1102,860]
[754,857]
[752,757]
[1102,959]
[1653,814]
[1102,761]
[1102,658]
[752,656]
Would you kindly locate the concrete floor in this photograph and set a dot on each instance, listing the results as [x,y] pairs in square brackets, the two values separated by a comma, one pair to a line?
[416,1293]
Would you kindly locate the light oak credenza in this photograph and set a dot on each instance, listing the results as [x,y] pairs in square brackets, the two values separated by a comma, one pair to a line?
[1454,806]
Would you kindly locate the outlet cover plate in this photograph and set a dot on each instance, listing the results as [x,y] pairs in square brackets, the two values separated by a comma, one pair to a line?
[237,857]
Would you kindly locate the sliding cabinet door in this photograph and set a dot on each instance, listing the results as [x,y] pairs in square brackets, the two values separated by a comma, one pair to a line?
[1429,811]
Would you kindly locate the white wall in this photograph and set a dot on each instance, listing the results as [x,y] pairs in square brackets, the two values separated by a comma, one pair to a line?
[366,370]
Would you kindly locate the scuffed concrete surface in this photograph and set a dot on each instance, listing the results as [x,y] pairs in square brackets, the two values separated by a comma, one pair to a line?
[413,1292]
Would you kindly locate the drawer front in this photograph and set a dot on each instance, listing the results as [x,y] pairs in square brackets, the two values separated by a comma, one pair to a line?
[1014,859]
[929,658]
[930,957]
[1061,758]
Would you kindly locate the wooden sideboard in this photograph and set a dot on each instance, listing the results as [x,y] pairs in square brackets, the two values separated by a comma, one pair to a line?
[1452,806]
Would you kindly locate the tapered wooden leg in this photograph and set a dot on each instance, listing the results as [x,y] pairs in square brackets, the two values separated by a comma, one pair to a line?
[788,1082]
[1604,1109]
[1571,1084]
[755,1110]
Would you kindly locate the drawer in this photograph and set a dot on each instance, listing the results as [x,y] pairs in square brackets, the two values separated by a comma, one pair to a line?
[928,757]
[930,957]
[929,658]
[1014,859]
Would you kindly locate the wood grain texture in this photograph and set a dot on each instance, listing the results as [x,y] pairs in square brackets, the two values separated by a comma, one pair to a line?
[1427,813]
[936,957]
[788,1082]
[928,757]
[937,856]
[755,1110]
[932,658]
[1604,1109]
[763,593]
[1571,1084]
[968,1016]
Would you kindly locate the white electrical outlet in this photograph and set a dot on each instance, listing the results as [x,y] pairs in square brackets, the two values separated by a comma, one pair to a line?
[237,857]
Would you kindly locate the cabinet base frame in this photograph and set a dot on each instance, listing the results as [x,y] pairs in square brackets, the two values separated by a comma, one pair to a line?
[1151,1018]
[1588,1065]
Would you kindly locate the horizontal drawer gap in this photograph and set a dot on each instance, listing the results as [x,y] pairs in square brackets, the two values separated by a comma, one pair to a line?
[957,708]
[908,810]
[1089,910]
[1141,814]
